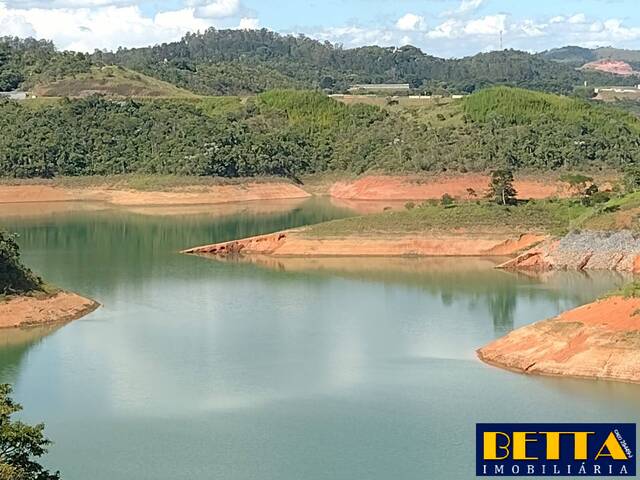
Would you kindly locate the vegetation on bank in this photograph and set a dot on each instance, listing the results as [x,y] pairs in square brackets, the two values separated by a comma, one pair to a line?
[15,278]
[289,133]
[552,216]
[20,444]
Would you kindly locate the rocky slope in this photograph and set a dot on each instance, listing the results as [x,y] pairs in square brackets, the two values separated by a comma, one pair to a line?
[619,250]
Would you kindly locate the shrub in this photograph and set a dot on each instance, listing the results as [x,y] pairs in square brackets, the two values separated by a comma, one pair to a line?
[14,277]
[447,200]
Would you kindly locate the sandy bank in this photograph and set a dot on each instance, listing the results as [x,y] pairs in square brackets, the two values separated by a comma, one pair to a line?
[400,188]
[587,250]
[28,311]
[296,243]
[196,195]
[598,341]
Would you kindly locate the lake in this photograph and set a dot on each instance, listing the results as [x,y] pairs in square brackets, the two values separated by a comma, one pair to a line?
[285,369]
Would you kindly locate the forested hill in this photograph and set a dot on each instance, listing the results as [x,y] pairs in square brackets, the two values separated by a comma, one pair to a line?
[290,133]
[232,61]
[236,62]
[578,56]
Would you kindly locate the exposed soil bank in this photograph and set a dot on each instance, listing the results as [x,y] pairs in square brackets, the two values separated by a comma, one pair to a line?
[424,188]
[618,250]
[178,196]
[597,341]
[295,243]
[30,311]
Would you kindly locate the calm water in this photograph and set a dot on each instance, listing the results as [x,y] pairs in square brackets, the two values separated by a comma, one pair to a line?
[288,370]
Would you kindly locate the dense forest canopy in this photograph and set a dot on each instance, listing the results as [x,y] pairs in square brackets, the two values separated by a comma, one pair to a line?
[238,62]
[290,133]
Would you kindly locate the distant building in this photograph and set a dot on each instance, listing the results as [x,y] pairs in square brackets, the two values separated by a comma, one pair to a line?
[627,89]
[14,95]
[380,87]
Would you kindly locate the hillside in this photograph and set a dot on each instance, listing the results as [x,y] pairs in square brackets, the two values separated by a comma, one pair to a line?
[291,133]
[244,62]
[578,56]
[110,81]
[288,61]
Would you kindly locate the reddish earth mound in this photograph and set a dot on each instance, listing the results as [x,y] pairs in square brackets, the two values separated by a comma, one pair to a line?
[27,311]
[465,186]
[196,195]
[295,243]
[598,341]
[616,67]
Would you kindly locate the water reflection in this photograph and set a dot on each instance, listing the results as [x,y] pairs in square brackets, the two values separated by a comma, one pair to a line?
[276,368]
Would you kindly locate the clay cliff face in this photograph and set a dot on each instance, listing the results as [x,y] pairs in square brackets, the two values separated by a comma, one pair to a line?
[598,341]
[295,243]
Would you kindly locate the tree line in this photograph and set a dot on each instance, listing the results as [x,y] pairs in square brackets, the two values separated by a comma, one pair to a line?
[238,62]
[290,133]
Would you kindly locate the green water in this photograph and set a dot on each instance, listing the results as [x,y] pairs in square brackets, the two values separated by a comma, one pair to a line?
[199,369]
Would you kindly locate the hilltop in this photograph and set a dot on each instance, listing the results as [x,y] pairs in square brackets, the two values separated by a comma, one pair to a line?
[110,81]
[243,62]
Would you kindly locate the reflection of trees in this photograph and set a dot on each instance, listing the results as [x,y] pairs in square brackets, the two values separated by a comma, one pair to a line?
[14,345]
[122,248]
[502,305]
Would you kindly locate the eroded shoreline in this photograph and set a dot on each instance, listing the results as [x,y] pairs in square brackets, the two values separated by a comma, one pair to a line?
[40,309]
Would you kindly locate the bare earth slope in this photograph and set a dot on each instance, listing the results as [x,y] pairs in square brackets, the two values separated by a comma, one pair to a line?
[598,341]
[28,311]
[178,196]
[296,243]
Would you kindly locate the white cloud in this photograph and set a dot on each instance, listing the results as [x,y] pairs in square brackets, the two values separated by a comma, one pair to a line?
[85,29]
[410,23]
[447,29]
[577,19]
[247,23]
[466,6]
[53,4]
[489,25]
[558,19]
[218,9]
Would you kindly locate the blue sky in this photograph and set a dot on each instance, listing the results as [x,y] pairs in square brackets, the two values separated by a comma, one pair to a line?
[448,28]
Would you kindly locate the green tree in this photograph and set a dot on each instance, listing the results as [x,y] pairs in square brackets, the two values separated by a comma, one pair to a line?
[20,444]
[14,277]
[501,188]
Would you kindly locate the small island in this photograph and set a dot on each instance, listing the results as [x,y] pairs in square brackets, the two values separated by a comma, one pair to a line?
[26,300]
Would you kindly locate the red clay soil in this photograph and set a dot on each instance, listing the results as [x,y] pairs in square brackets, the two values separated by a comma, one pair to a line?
[600,340]
[616,67]
[294,243]
[400,188]
[28,311]
[179,196]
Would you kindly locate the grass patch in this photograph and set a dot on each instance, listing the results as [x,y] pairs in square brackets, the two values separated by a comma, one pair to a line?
[552,216]
[630,290]
[111,81]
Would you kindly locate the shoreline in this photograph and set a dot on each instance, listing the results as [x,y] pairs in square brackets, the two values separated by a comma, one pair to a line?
[597,341]
[176,196]
[294,243]
[160,190]
[25,311]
